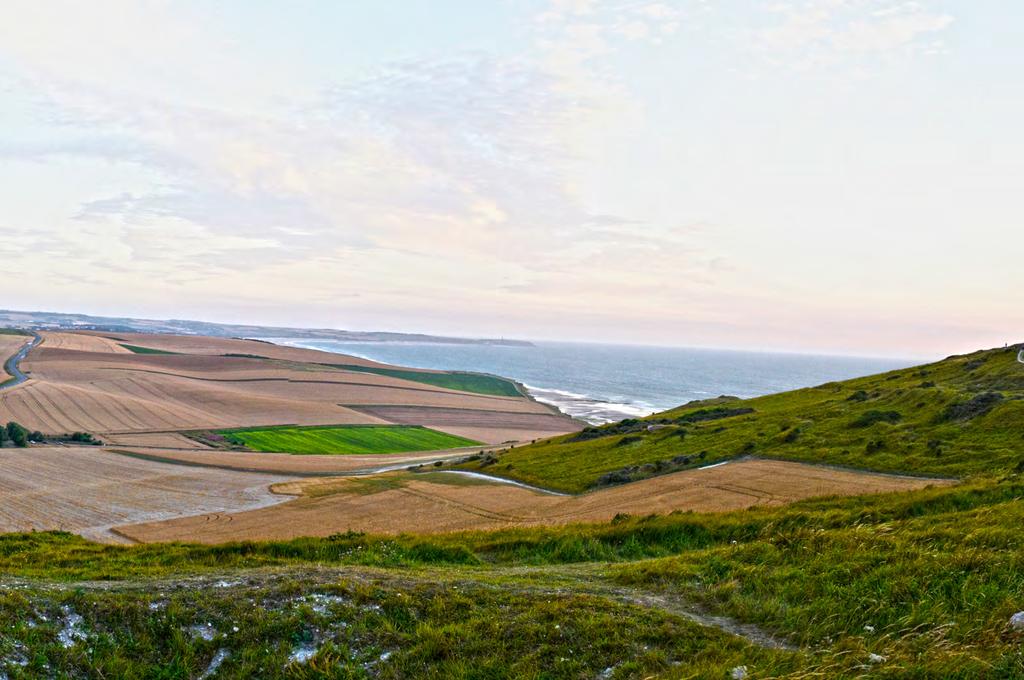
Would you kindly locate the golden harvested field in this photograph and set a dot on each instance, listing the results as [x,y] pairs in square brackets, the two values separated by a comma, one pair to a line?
[283,463]
[478,424]
[88,382]
[437,502]
[87,490]
[154,440]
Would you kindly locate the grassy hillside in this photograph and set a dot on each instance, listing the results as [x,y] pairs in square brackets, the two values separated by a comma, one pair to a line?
[960,416]
[925,582]
[345,439]
[912,585]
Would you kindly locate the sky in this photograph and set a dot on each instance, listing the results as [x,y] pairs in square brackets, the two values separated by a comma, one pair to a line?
[828,175]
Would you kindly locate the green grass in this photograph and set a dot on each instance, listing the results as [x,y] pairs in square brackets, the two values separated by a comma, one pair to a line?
[992,503]
[146,350]
[413,627]
[346,439]
[477,383]
[893,422]
[13,331]
[925,581]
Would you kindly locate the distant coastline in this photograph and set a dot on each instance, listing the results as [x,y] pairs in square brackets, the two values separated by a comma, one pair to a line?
[605,383]
[110,324]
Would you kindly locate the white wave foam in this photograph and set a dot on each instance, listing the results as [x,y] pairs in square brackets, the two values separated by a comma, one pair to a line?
[551,390]
[590,409]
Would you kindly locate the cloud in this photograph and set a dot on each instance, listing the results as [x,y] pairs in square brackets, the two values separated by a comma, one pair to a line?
[433,181]
[402,158]
[819,32]
[575,33]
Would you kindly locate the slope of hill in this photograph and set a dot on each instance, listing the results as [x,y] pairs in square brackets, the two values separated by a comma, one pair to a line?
[963,415]
[917,584]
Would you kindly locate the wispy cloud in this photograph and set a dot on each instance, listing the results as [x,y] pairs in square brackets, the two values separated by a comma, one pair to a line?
[178,153]
[819,32]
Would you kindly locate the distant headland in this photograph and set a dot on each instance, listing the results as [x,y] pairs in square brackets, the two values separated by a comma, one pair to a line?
[110,324]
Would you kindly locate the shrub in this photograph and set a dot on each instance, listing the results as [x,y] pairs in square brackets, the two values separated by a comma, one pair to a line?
[975,363]
[874,446]
[869,418]
[974,407]
[713,414]
[17,434]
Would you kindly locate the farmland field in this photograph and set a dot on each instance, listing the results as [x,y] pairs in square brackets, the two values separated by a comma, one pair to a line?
[464,382]
[87,491]
[709,541]
[358,439]
[430,502]
[92,383]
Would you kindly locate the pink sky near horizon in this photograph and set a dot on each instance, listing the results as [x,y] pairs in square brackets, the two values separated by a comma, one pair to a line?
[810,176]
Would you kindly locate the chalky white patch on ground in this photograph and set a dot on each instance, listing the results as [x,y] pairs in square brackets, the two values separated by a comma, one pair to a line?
[205,631]
[72,630]
[215,663]
[302,654]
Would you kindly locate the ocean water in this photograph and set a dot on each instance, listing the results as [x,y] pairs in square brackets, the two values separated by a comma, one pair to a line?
[603,383]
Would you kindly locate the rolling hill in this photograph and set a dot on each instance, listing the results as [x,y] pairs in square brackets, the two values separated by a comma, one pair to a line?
[960,416]
[914,584]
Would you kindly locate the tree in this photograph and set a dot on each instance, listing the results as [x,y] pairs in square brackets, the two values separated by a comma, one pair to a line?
[17,434]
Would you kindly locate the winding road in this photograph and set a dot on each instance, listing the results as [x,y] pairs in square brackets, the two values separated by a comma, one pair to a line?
[11,365]
[1020,356]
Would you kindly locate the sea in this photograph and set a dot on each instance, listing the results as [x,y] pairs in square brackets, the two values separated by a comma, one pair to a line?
[600,383]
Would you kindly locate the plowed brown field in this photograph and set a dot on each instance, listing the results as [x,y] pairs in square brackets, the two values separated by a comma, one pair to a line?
[88,382]
[432,503]
[86,490]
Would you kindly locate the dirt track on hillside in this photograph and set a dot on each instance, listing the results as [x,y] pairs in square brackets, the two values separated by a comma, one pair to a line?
[432,504]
